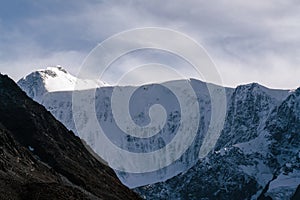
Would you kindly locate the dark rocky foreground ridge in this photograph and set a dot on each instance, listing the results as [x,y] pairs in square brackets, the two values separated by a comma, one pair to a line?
[41,159]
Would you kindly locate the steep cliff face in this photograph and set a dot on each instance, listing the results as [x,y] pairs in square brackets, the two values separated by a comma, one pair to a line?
[40,158]
[259,160]
[283,126]
[259,137]
[249,107]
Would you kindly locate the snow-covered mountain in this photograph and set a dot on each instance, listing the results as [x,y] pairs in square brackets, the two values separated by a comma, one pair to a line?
[53,79]
[256,156]
[59,103]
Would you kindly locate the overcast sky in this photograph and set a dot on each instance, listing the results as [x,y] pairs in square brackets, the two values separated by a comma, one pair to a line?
[249,41]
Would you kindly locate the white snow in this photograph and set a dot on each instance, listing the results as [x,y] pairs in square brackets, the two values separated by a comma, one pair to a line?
[290,180]
[279,95]
[222,151]
[284,185]
[258,144]
[30,148]
[59,85]
[63,81]
[259,170]
[59,103]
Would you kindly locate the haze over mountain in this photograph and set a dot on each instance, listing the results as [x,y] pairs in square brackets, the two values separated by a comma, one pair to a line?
[256,156]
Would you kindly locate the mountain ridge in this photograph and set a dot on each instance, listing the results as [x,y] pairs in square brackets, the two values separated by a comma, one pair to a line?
[53,79]
[243,157]
[33,130]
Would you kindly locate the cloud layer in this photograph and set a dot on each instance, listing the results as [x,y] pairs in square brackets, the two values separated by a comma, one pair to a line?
[255,41]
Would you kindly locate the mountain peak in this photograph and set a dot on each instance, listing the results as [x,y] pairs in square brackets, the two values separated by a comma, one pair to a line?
[53,71]
[250,86]
[255,88]
[54,79]
[57,67]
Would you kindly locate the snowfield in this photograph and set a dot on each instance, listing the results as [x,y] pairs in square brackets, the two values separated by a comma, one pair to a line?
[256,155]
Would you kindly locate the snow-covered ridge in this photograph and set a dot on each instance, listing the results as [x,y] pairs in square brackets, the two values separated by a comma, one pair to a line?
[253,152]
[58,79]
[54,79]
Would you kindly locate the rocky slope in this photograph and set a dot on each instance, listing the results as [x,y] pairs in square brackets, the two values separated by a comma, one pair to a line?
[41,159]
[256,156]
